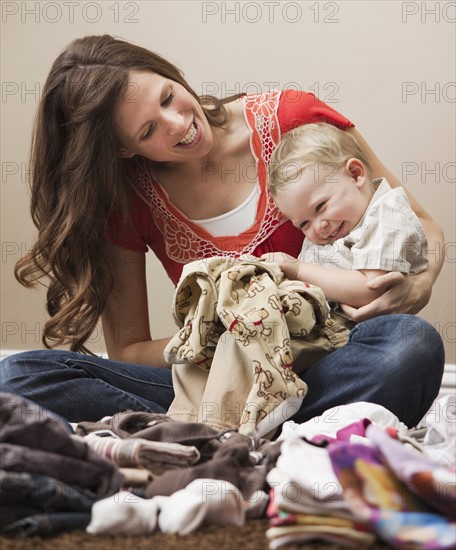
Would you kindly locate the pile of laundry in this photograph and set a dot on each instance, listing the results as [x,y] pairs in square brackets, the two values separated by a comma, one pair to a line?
[127,474]
[355,473]
[49,479]
[349,476]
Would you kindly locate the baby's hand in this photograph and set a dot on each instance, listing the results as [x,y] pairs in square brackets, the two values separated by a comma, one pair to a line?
[288,264]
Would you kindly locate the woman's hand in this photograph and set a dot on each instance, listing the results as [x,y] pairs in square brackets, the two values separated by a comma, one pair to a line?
[401,295]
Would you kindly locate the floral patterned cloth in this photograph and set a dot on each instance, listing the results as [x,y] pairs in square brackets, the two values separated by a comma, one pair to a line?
[408,500]
[363,479]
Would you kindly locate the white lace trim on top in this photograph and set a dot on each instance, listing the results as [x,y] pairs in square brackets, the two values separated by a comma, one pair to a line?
[237,220]
[181,236]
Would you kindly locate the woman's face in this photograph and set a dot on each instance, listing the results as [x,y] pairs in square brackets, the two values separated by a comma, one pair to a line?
[159,119]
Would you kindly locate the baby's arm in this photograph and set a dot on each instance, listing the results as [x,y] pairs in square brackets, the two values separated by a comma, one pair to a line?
[340,285]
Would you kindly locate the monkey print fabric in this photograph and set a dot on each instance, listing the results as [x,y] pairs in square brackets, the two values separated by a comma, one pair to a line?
[248,301]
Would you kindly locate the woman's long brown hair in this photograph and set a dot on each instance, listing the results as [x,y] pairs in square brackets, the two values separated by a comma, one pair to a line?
[77,179]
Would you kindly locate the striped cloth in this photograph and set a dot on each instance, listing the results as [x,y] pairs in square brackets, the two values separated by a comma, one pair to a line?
[136,452]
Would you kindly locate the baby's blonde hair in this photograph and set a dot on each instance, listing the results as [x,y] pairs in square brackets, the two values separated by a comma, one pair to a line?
[310,144]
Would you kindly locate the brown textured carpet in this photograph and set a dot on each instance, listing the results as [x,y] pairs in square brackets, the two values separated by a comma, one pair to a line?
[249,537]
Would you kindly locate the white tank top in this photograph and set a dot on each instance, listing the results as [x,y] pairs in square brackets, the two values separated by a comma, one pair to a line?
[236,221]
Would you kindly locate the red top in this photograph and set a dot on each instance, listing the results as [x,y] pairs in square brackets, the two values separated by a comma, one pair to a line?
[156,223]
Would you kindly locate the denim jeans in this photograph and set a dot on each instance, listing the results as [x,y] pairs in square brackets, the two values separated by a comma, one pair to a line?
[41,525]
[393,360]
[33,504]
[84,387]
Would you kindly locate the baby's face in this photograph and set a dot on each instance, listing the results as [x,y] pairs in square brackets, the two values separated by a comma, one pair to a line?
[324,202]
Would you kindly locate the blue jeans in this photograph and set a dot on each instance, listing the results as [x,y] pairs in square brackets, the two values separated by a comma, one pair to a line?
[33,504]
[41,525]
[394,360]
[84,387]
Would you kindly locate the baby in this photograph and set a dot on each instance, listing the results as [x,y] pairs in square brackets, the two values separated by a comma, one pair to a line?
[355,228]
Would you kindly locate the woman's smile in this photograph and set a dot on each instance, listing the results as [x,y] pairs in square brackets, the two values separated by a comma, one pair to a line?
[162,121]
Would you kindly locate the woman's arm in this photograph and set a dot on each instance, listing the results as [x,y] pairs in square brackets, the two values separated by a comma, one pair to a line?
[402,294]
[125,318]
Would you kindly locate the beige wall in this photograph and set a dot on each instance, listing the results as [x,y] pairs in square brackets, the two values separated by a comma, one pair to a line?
[389,66]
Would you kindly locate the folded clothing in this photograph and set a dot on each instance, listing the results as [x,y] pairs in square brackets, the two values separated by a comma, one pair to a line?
[36,441]
[142,453]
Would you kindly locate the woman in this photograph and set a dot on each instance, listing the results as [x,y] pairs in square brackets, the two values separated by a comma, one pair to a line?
[125,156]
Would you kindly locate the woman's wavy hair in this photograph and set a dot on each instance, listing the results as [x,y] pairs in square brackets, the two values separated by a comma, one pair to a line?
[77,178]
